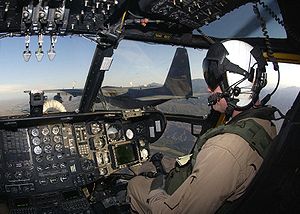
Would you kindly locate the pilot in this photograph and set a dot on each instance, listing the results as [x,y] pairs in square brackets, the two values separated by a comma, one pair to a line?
[225,159]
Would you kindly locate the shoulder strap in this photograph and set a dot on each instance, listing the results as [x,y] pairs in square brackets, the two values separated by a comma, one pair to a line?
[249,130]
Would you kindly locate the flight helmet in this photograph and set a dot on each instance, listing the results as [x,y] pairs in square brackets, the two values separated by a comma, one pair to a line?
[239,69]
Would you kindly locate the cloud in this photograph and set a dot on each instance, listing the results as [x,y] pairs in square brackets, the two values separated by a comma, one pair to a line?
[12,88]
[289,75]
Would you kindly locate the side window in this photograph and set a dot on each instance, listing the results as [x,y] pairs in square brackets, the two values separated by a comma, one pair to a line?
[288,89]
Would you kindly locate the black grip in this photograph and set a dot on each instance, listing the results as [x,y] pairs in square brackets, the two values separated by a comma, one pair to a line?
[156,160]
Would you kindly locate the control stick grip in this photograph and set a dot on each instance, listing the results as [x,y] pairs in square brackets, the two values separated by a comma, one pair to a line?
[156,159]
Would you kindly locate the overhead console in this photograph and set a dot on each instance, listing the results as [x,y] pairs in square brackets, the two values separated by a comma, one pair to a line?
[59,152]
[106,17]
[191,14]
[56,16]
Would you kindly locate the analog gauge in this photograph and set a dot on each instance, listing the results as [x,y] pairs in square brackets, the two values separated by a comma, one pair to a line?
[57,139]
[144,154]
[37,150]
[129,134]
[95,128]
[114,133]
[55,130]
[46,139]
[58,147]
[35,132]
[45,131]
[36,141]
[48,148]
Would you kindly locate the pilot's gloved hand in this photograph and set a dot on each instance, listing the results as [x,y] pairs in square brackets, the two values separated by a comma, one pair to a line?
[158,182]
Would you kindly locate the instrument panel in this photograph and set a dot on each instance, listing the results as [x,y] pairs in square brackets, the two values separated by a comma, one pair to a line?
[60,155]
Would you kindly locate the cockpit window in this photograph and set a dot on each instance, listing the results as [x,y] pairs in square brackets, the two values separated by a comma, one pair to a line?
[68,69]
[136,65]
[139,65]
[245,22]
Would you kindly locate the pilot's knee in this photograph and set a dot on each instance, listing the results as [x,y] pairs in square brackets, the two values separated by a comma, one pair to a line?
[138,184]
[134,184]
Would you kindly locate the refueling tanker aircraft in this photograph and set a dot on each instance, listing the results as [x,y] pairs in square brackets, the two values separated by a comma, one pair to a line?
[177,85]
[80,161]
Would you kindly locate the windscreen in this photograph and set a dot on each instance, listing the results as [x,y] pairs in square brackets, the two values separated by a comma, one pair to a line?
[67,70]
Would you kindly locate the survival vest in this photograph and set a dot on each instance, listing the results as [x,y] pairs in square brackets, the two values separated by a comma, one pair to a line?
[248,129]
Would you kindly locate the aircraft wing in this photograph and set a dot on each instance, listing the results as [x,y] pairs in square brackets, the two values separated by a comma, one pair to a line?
[69,91]
[178,84]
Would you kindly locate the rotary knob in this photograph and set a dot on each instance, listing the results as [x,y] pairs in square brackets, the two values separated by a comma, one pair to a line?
[55,130]
[46,139]
[58,147]
[18,175]
[48,149]
[36,141]
[45,131]
[37,150]
[57,139]
[35,132]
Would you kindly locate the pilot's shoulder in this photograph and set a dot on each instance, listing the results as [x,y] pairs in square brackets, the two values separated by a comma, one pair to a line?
[268,125]
[226,141]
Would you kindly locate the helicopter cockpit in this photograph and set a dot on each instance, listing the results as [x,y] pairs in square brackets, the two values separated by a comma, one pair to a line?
[75,153]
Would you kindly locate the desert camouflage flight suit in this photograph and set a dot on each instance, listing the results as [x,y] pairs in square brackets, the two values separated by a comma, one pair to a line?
[224,168]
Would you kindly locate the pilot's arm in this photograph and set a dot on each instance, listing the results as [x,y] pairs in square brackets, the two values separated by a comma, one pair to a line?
[221,172]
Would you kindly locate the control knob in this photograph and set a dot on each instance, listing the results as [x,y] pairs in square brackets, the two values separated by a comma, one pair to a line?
[37,150]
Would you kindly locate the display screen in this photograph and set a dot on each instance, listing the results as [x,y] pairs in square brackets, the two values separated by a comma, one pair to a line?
[125,154]
[22,202]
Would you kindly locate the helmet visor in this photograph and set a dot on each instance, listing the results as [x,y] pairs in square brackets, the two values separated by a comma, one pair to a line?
[209,67]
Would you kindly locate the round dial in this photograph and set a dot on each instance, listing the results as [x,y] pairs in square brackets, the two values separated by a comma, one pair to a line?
[57,139]
[45,131]
[114,132]
[36,141]
[129,134]
[95,128]
[37,150]
[49,157]
[55,130]
[48,148]
[58,147]
[46,139]
[35,132]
